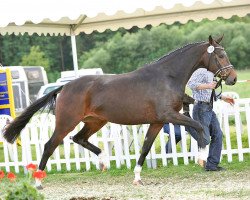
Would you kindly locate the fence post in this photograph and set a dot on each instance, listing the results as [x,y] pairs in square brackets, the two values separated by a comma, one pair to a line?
[136,142]
[126,145]
[227,134]
[163,148]
[106,146]
[173,144]
[184,145]
[247,107]
[238,130]
[116,139]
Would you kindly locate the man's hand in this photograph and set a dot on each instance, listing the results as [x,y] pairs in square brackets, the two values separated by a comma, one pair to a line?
[228,99]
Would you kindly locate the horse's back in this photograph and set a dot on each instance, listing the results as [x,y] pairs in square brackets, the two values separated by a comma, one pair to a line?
[131,98]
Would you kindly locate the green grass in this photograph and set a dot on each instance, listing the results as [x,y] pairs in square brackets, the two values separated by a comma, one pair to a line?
[171,170]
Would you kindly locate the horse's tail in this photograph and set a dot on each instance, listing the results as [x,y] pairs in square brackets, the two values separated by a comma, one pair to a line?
[13,130]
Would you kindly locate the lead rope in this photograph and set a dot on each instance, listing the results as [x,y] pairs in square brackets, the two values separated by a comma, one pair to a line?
[214,97]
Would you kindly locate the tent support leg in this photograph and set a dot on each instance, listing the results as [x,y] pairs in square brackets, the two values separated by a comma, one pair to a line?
[74,54]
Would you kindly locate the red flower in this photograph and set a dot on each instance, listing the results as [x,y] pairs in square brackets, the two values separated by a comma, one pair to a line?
[1,174]
[31,167]
[39,174]
[11,176]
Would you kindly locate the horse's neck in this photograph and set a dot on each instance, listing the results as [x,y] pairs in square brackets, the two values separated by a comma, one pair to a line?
[184,66]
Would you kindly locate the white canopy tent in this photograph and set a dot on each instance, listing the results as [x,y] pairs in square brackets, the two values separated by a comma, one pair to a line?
[66,17]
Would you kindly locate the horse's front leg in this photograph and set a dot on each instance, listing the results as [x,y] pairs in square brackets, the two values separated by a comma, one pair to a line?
[153,131]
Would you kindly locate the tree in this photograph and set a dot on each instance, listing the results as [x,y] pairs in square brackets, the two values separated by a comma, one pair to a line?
[35,58]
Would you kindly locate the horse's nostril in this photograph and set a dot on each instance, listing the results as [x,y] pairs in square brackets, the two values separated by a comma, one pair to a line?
[235,80]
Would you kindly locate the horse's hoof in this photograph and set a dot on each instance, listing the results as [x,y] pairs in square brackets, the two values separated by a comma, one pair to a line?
[39,187]
[137,182]
[103,167]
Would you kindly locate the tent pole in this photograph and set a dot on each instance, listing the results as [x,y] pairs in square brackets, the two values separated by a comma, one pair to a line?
[73,43]
[74,54]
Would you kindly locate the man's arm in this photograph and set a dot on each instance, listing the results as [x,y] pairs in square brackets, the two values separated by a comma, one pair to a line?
[204,86]
[196,81]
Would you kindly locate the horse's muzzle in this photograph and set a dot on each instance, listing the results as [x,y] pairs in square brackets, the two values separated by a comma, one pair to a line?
[231,80]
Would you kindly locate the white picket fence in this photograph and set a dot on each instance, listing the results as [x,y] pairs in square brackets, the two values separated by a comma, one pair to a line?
[122,144]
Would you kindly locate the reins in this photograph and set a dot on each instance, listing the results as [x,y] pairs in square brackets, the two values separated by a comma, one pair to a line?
[214,97]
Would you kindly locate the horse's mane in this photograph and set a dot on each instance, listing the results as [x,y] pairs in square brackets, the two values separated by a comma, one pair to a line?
[177,51]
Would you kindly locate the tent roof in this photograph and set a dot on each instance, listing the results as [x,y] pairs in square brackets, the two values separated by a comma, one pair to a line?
[72,17]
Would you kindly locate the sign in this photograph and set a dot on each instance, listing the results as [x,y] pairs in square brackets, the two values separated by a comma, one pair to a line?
[7,106]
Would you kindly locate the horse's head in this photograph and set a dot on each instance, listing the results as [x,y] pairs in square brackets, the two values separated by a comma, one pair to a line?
[216,61]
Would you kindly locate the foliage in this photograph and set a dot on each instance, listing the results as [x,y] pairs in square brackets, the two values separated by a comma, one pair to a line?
[35,58]
[23,191]
[124,53]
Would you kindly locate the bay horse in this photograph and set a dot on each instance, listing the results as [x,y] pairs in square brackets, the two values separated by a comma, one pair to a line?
[151,95]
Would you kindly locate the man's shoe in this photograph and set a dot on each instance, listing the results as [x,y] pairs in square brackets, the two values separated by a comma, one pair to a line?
[215,169]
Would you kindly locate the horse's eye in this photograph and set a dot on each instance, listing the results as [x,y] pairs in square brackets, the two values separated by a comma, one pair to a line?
[221,56]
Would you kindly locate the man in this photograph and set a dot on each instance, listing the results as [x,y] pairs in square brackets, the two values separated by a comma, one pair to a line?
[201,83]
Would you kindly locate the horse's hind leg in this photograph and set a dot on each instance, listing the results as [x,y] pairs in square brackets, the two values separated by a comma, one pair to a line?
[83,135]
[51,145]
[153,131]
[49,148]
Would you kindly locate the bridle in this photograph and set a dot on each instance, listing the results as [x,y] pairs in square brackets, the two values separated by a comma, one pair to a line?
[222,71]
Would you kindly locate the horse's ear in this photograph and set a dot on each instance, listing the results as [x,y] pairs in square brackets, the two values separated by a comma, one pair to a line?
[219,39]
[210,39]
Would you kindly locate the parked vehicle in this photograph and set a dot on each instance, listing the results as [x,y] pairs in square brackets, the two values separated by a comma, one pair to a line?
[45,89]
[20,88]
[37,77]
[67,76]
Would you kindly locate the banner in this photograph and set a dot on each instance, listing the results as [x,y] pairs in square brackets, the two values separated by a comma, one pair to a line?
[7,106]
